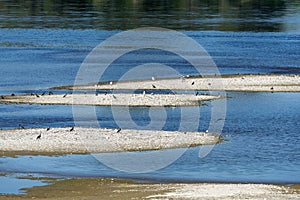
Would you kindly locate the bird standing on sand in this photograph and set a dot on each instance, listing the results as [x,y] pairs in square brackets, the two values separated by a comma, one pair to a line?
[193,83]
[114,96]
[37,95]
[39,136]
[50,93]
[43,93]
[153,86]
[12,94]
[72,129]
[119,129]
[48,129]
[2,97]
[64,95]
[21,127]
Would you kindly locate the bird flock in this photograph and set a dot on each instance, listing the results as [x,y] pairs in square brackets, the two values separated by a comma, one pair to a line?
[48,129]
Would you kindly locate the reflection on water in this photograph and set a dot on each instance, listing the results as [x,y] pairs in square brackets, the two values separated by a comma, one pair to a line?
[224,15]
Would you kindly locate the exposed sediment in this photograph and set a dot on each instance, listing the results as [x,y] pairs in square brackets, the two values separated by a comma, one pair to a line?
[97,140]
[248,83]
[112,99]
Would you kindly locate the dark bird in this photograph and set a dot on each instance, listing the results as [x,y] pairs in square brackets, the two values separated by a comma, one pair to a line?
[272,88]
[105,93]
[96,94]
[114,96]
[43,94]
[48,129]
[32,94]
[72,129]
[39,136]
[64,95]
[197,93]
[21,127]
[193,83]
[12,94]
[37,95]
[153,86]
[2,97]
[50,93]
[119,130]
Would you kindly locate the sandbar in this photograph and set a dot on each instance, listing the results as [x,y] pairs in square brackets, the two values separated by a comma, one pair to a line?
[240,82]
[98,188]
[97,140]
[117,99]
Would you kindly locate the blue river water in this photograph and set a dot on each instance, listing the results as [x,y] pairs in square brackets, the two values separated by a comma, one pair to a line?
[42,45]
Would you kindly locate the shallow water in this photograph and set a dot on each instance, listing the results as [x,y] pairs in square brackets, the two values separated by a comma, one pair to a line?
[262,145]
[43,43]
[13,185]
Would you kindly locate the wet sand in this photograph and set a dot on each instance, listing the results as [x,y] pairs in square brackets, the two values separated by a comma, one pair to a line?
[112,99]
[97,188]
[97,140]
[245,82]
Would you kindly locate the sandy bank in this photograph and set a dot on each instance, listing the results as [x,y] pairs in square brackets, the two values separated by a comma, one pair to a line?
[63,141]
[112,99]
[97,188]
[259,83]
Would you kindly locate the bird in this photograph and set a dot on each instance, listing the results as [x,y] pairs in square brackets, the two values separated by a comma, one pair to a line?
[119,129]
[48,129]
[21,127]
[105,93]
[153,86]
[31,94]
[43,93]
[12,94]
[37,95]
[272,88]
[193,83]
[153,79]
[2,97]
[64,95]
[39,136]
[50,93]
[197,93]
[114,96]
[96,94]
[72,129]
